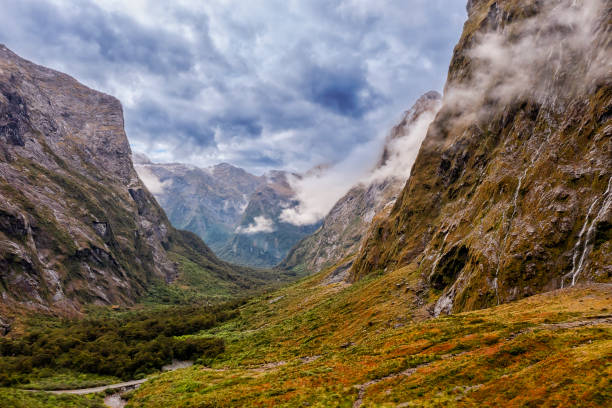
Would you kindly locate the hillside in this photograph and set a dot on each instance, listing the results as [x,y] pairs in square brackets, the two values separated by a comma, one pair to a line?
[77,226]
[367,345]
[209,202]
[344,227]
[510,194]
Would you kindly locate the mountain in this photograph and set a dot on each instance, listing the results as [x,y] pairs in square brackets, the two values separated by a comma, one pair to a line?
[77,225]
[509,196]
[511,192]
[348,221]
[209,202]
[262,238]
[233,211]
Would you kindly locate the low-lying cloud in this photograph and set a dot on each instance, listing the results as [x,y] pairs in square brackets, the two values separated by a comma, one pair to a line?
[545,58]
[150,180]
[259,224]
[318,191]
[402,151]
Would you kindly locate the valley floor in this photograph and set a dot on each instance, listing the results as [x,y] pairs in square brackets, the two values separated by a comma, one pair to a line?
[371,345]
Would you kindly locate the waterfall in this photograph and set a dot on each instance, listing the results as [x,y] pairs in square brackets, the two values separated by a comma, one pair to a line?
[607,201]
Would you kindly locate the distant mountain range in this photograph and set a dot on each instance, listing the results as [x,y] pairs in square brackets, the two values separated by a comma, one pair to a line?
[236,213]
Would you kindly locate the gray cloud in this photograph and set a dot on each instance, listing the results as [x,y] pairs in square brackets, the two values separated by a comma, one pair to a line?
[259,84]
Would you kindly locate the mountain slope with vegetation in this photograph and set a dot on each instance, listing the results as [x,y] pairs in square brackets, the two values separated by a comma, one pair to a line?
[77,226]
[370,344]
[262,238]
[209,202]
[236,213]
[511,193]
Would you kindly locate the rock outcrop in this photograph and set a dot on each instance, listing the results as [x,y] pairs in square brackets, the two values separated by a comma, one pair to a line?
[76,223]
[511,192]
[344,227]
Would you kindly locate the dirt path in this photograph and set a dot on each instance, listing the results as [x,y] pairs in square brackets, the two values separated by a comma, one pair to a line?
[119,386]
[115,400]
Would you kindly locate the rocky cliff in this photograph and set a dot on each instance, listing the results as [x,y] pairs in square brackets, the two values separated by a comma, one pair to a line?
[76,223]
[511,192]
[348,221]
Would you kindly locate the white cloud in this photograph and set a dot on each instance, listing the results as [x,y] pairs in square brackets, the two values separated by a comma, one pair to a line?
[317,191]
[205,82]
[403,150]
[543,57]
[260,224]
[150,180]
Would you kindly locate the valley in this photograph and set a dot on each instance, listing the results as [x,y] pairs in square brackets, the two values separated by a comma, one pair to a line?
[470,266]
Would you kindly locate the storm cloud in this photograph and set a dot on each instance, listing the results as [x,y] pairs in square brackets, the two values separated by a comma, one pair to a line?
[268,84]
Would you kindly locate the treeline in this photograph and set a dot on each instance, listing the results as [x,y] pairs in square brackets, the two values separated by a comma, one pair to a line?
[124,346]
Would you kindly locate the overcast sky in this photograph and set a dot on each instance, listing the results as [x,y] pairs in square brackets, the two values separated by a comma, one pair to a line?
[261,84]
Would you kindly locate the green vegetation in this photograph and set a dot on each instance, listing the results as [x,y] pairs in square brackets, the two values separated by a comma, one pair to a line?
[12,398]
[54,379]
[51,355]
[316,345]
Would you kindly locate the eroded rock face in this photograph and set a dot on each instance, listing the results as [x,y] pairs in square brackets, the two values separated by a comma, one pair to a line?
[344,227]
[511,192]
[76,223]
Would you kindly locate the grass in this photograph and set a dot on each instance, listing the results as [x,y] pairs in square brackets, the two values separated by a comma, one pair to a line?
[12,398]
[312,345]
[47,379]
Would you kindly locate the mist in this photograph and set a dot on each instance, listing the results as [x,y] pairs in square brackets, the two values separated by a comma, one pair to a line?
[525,60]
[318,191]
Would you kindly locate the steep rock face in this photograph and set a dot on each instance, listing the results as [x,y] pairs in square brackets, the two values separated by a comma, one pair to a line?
[345,226]
[510,194]
[76,223]
[262,238]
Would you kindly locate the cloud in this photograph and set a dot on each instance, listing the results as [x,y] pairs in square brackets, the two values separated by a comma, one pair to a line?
[548,58]
[343,90]
[153,183]
[320,189]
[269,84]
[260,224]
[403,150]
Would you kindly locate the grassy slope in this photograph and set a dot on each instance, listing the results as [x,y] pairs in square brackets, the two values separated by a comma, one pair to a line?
[11,398]
[519,354]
